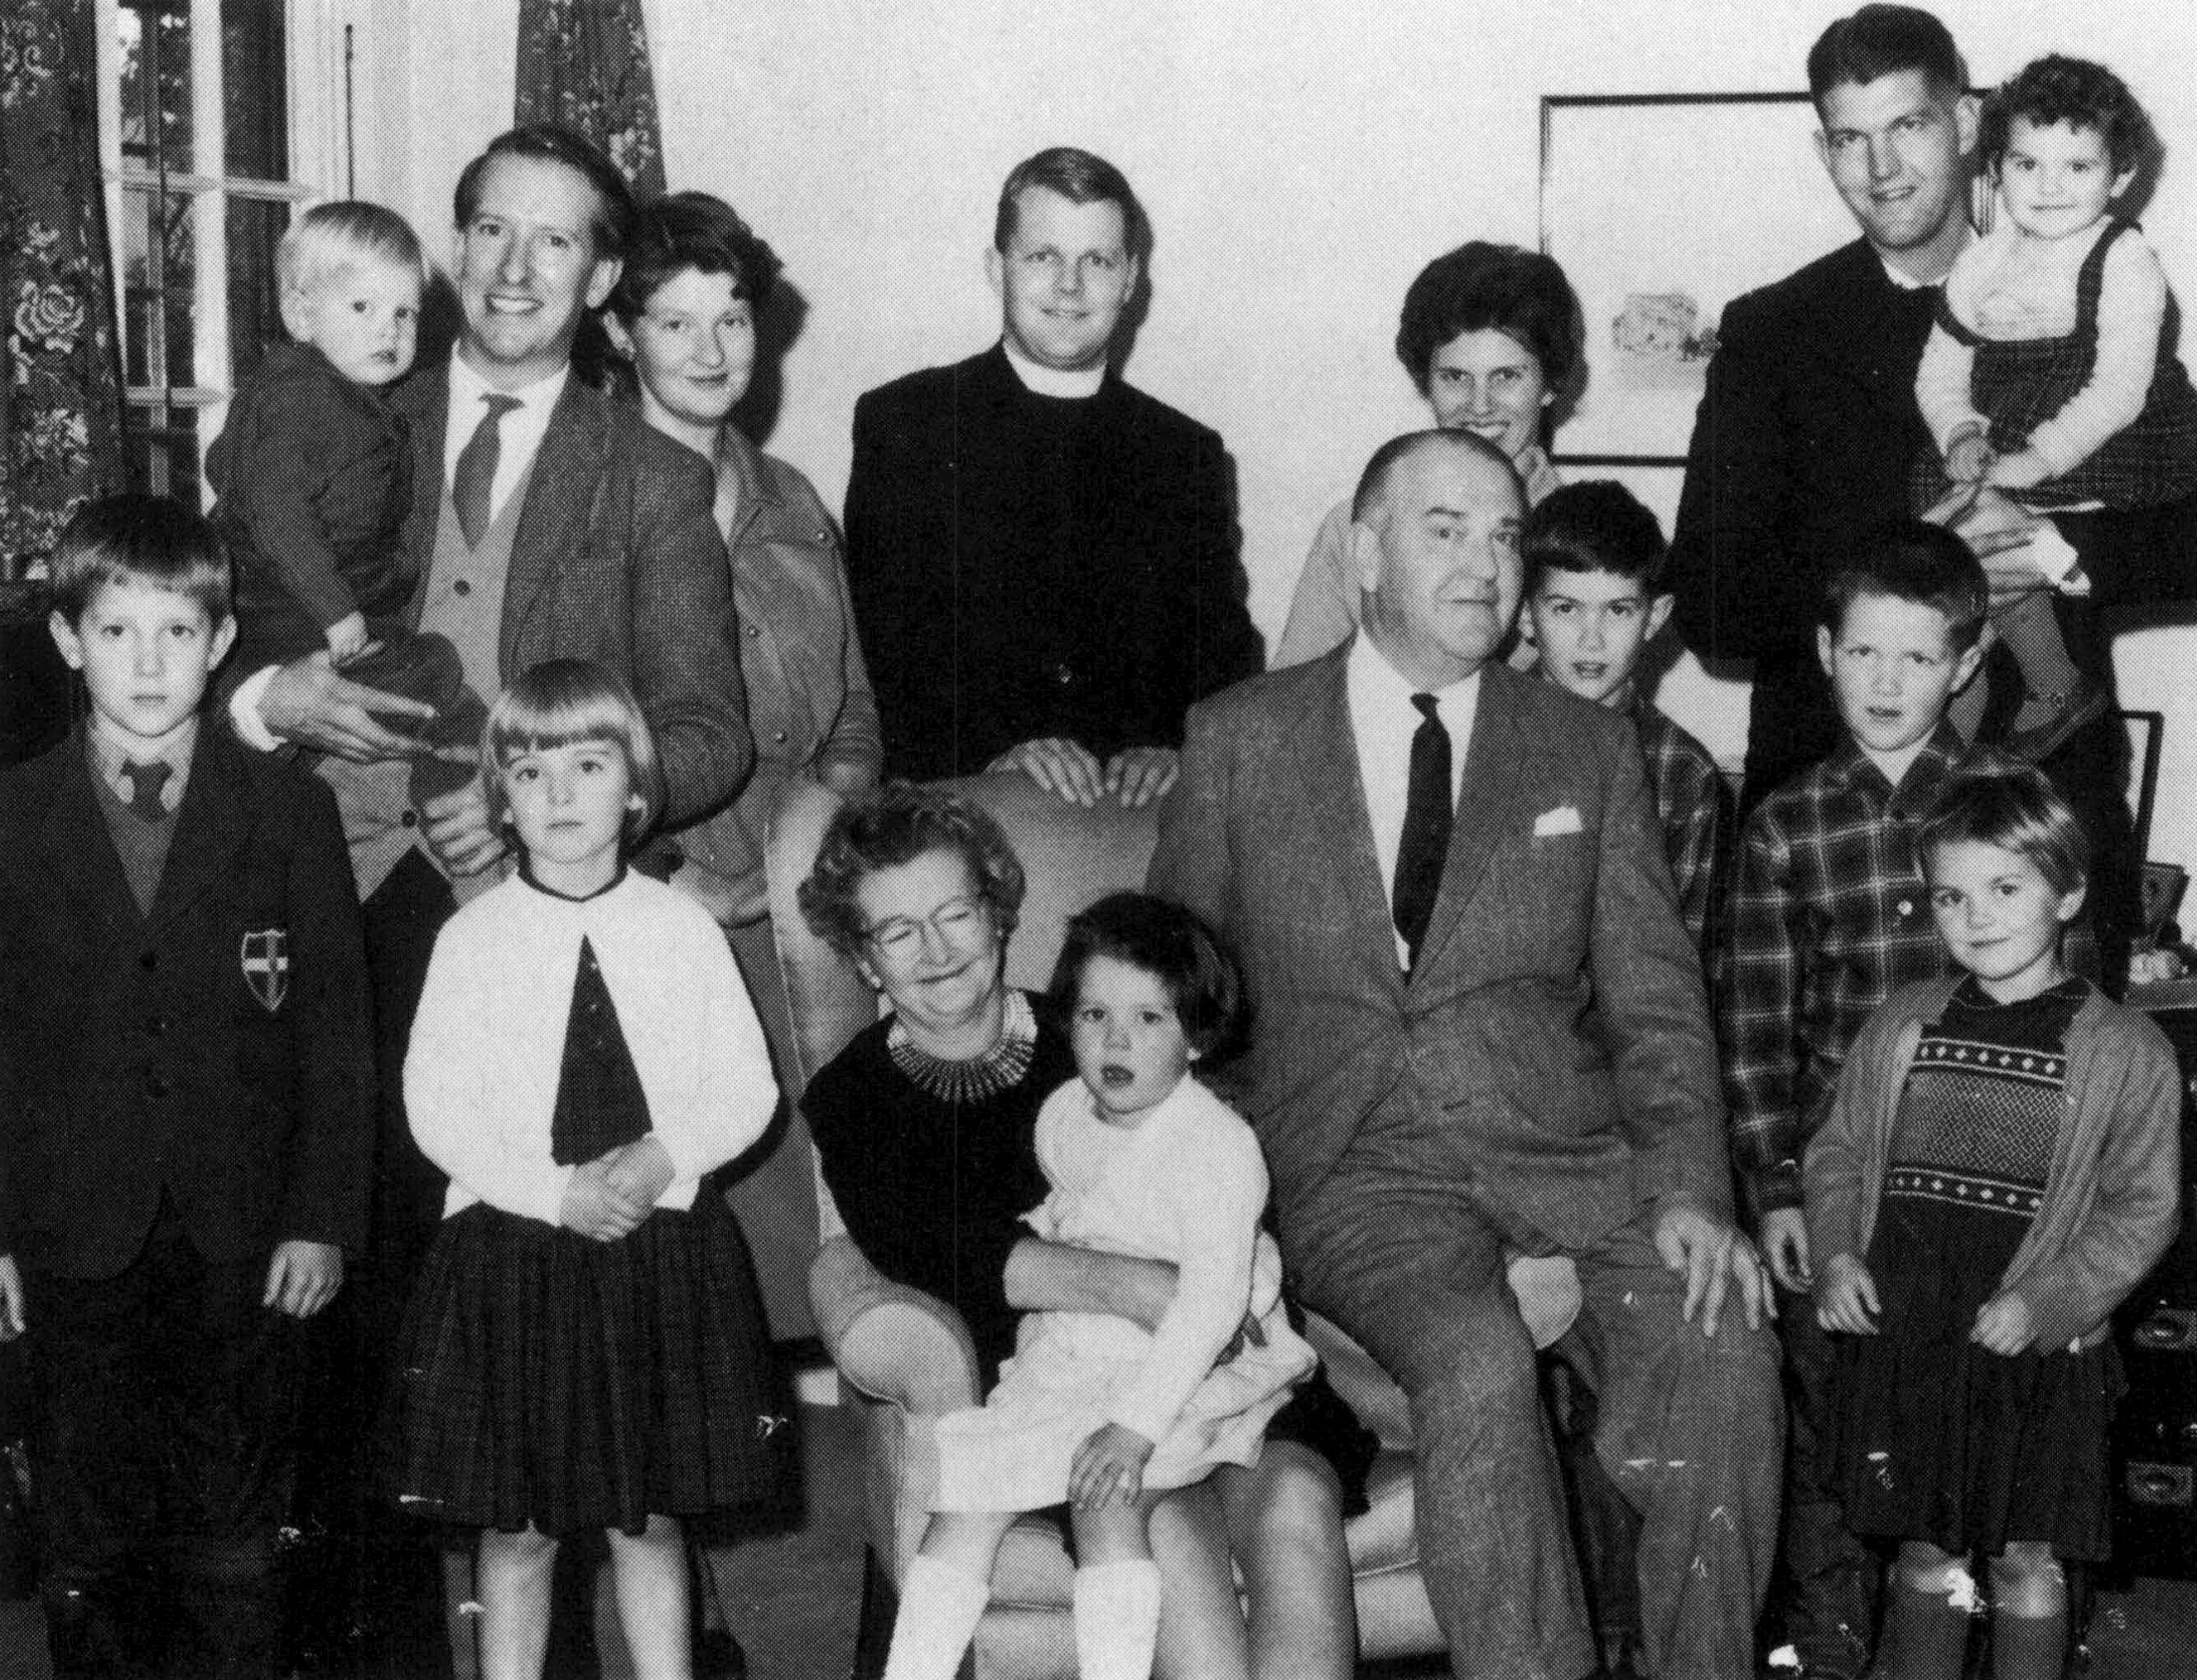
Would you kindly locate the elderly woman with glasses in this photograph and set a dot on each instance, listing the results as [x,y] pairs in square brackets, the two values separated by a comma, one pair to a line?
[925,1126]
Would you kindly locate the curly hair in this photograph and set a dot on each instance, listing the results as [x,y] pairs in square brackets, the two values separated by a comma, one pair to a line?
[691,231]
[2056,89]
[896,824]
[1481,285]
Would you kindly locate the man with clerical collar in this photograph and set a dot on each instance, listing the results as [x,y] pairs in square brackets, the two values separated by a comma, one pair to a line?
[1043,559]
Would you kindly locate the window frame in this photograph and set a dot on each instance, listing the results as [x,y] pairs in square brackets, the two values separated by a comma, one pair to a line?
[313,50]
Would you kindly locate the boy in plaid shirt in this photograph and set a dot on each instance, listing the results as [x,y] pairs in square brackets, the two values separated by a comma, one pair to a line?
[1829,916]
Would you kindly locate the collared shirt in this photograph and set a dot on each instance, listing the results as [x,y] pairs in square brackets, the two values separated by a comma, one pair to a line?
[1053,381]
[1383,721]
[109,757]
[518,435]
[1829,917]
[1693,802]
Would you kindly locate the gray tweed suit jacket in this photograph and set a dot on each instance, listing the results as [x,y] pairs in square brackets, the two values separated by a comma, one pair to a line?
[1557,1013]
[617,559]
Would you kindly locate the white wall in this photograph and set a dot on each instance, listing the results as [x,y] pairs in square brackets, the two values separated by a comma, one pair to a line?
[1301,159]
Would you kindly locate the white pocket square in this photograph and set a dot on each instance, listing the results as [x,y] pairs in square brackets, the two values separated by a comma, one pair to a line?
[1564,820]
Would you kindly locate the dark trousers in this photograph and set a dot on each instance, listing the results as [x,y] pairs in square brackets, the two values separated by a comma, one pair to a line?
[2091,772]
[1832,1578]
[162,1454]
[1687,1427]
[364,1572]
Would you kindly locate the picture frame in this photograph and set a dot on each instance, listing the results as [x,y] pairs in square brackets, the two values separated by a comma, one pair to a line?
[1656,250]
[2147,736]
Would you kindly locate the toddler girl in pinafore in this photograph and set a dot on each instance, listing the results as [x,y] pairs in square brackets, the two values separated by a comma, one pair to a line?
[2048,374]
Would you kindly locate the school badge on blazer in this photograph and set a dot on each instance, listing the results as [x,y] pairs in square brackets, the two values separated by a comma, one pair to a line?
[266,961]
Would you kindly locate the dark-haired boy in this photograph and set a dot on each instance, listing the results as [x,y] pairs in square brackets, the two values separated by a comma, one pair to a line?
[1594,595]
[1829,916]
[185,1090]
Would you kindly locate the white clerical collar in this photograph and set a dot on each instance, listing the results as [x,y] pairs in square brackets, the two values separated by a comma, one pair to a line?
[467,387]
[1053,381]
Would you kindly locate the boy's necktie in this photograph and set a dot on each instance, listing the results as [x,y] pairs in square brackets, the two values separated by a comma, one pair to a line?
[1423,847]
[475,474]
[146,781]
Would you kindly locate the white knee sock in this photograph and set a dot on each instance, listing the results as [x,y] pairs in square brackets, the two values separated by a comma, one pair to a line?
[1117,1620]
[939,1609]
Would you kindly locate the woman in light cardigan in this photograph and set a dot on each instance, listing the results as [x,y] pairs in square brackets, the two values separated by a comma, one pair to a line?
[683,318]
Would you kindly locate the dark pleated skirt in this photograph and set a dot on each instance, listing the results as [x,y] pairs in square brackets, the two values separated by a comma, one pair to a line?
[1938,1439]
[551,1380]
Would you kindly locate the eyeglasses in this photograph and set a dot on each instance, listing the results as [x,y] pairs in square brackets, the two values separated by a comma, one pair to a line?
[956,922]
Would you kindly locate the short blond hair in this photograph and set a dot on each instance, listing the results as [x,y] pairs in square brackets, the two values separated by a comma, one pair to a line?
[330,237]
[557,704]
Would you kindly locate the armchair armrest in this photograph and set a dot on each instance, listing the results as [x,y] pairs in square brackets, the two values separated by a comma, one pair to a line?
[894,1343]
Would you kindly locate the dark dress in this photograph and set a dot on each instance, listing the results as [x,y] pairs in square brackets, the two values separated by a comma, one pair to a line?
[553,1380]
[1938,1439]
[933,1194]
[2017,385]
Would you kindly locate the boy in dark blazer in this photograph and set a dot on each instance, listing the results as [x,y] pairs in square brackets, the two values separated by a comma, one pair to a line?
[185,1089]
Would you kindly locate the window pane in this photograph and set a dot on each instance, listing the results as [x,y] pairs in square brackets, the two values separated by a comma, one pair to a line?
[254,110]
[141,328]
[255,319]
[178,290]
[158,265]
[156,84]
[163,445]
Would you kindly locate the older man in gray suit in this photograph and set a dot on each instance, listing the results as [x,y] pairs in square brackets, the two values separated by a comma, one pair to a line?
[1480,1026]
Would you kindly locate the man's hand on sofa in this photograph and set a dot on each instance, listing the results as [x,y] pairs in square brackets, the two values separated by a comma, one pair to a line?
[1064,768]
[1713,1256]
[1139,775]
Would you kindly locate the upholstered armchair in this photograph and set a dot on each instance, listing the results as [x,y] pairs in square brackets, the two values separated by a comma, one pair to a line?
[906,1355]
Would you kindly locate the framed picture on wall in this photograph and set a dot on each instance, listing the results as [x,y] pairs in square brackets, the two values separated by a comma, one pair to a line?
[1662,208]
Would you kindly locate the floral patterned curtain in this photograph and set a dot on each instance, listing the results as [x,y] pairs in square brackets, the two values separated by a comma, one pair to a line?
[584,63]
[60,366]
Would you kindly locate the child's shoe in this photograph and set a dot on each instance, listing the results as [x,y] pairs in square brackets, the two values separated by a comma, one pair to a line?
[426,668]
[2047,722]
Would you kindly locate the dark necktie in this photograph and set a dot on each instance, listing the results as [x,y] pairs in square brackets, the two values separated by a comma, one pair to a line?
[1428,814]
[476,471]
[146,781]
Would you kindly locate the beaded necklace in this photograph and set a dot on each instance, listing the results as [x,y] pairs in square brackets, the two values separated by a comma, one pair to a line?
[973,1079]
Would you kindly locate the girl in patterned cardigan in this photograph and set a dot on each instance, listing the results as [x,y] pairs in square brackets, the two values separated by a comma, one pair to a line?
[1999,1169]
